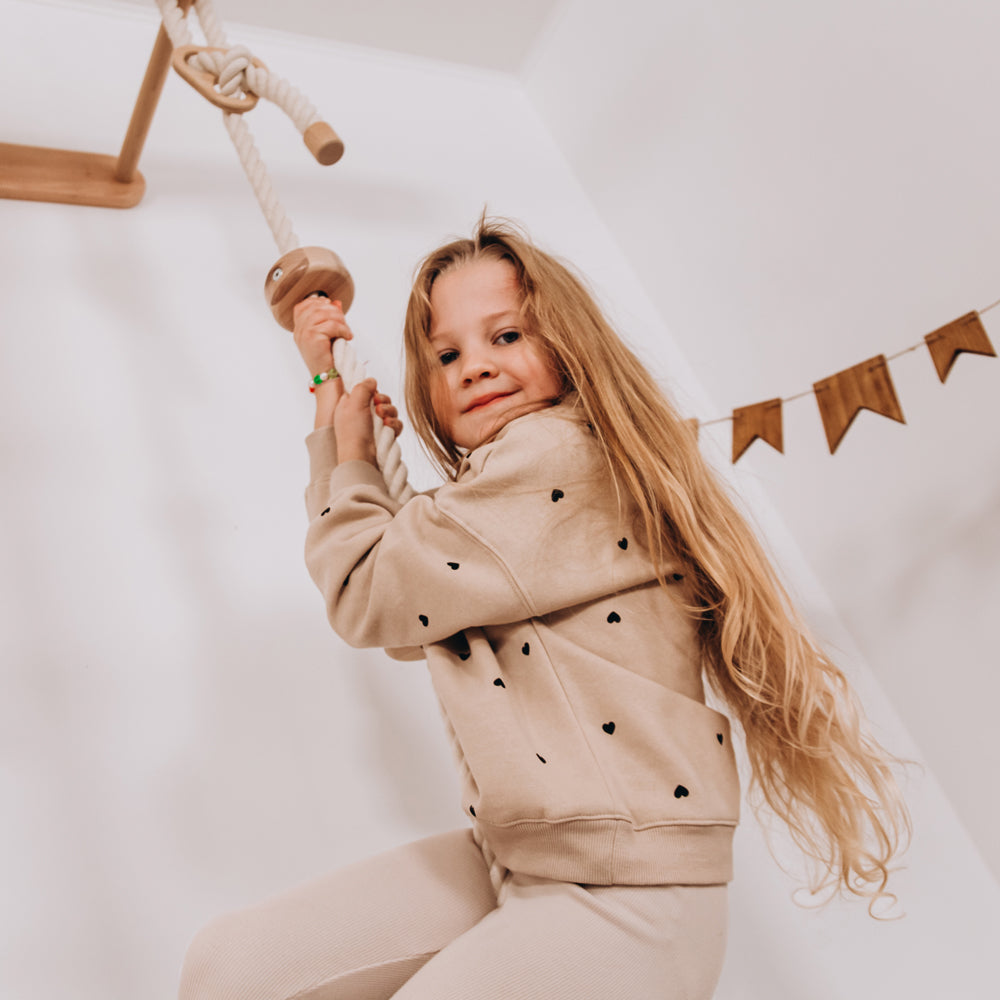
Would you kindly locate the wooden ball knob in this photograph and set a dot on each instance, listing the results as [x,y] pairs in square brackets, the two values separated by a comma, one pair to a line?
[301,272]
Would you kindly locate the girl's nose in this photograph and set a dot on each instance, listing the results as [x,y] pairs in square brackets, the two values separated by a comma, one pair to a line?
[478,368]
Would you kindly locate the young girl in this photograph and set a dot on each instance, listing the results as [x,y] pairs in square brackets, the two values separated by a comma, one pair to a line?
[572,583]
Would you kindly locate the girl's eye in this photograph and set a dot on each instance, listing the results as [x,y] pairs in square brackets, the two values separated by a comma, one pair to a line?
[509,336]
[446,357]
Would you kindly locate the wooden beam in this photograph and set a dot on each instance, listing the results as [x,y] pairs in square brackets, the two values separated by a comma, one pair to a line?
[36,173]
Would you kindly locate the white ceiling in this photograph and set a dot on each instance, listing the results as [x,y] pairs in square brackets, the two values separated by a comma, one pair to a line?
[475,32]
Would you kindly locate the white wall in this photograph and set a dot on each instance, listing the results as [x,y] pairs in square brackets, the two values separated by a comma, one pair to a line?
[181,733]
[802,186]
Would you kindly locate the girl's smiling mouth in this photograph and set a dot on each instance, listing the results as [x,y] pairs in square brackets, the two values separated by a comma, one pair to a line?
[482,401]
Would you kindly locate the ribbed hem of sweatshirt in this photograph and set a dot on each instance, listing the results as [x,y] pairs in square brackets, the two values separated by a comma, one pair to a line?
[613,852]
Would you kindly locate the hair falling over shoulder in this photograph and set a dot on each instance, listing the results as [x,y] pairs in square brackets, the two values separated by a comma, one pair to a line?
[811,761]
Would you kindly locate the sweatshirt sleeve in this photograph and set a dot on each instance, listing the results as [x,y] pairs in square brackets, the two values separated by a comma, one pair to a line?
[534,528]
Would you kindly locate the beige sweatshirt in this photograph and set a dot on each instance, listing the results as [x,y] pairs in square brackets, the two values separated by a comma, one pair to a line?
[570,675]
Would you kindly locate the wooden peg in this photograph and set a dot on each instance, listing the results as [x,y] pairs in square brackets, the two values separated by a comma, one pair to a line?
[965,334]
[841,397]
[762,420]
[323,143]
[300,273]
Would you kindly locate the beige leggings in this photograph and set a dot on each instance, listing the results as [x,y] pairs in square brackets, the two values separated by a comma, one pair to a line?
[422,923]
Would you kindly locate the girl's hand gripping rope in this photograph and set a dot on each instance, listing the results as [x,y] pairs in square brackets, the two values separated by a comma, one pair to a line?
[352,421]
[318,323]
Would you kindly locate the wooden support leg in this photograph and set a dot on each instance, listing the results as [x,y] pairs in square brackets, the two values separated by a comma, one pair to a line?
[145,106]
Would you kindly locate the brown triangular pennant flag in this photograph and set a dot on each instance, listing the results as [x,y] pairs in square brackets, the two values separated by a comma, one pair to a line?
[963,334]
[866,386]
[762,420]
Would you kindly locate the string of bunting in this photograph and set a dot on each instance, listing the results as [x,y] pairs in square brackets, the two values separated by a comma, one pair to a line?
[865,386]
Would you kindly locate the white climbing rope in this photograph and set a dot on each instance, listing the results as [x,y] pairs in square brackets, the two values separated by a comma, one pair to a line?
[390,459]
[236,71]
[260,181]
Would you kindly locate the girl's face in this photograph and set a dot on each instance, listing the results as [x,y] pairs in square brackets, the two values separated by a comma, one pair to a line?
[489,372]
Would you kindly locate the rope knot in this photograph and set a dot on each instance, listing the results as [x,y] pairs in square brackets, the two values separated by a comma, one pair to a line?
[207,69]
[231,67]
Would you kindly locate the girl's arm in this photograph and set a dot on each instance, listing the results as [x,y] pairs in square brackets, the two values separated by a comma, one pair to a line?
[537,529]
[318,322]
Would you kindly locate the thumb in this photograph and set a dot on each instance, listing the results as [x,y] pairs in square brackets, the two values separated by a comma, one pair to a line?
[361,395]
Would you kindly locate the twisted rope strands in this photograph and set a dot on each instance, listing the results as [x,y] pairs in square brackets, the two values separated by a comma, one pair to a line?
[260,181]
[234,65]
[174,23]
[230,67]
[386,446]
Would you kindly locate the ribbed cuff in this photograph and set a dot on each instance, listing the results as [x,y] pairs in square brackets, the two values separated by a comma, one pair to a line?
[322,447]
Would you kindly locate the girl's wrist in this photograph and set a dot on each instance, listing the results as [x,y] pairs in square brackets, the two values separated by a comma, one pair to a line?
[327,395]
[370,459]
[354,451]
[322,377]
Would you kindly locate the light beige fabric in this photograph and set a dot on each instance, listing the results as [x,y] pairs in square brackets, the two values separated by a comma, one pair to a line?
[570,675]
[422,923]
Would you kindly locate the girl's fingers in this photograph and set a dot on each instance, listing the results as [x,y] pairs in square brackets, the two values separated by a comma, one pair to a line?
[317,323]
[387,413]
[317,315]
[393,424]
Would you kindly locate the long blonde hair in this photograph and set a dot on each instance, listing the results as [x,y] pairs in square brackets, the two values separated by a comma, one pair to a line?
[811,761]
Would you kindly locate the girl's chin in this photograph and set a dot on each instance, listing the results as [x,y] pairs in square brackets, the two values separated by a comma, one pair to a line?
[491,424]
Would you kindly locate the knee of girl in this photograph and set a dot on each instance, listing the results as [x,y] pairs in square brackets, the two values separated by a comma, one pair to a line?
[217,963]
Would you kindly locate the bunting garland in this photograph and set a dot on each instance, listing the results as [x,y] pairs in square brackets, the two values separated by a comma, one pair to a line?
[843,396]
[865,386]
[762,420]
[963,334]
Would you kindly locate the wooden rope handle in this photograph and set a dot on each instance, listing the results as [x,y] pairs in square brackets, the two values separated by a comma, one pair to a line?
[303,272]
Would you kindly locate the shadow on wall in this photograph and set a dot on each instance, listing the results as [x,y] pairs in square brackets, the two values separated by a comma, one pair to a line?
[397,744]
